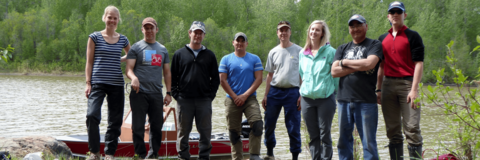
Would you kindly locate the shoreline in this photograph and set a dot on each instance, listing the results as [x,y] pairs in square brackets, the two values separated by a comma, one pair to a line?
[68,74]
[81,74]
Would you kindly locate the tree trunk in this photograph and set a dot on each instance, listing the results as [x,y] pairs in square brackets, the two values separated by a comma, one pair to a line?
[6,9]
[468,151]
[34,47]
[78,45]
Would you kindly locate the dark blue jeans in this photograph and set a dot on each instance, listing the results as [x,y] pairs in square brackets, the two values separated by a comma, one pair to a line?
[143,104]
[276,98]
[365,117]
[116,103]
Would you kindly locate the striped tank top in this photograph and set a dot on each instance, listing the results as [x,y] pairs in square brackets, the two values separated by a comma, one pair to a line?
[106,64]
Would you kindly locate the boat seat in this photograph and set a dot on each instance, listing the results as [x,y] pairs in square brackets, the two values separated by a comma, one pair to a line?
[169,130]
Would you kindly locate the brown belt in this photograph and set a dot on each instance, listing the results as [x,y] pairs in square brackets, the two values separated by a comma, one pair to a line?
[409,78]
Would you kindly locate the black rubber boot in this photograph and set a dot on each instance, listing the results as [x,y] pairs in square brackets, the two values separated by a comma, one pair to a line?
[269,151]
[415,152]
[295,156]
[396,151]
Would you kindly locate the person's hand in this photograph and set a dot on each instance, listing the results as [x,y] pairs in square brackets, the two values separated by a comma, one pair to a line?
[88,89]
[264,103]
[299,108]
[136,85]
[411,99]
[167,100]
[240,100]
[379,97]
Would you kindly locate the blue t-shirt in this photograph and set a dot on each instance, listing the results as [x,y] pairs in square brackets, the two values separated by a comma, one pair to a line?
[195,52]
[240,71]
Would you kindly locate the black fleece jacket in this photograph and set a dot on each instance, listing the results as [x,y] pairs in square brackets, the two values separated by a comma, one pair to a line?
[194,77]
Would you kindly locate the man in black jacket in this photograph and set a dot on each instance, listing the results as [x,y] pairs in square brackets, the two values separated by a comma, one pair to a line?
[195,83]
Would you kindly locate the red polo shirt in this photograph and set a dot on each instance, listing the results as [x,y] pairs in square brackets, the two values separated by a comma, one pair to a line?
[401,52]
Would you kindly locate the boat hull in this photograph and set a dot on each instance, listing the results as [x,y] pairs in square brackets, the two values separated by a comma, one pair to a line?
[79,146]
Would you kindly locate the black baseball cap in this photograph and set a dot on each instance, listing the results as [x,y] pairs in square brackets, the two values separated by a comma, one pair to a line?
[240,34]
[358,18]
[396,4]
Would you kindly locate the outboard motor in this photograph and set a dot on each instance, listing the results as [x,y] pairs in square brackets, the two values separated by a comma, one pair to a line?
[245,129]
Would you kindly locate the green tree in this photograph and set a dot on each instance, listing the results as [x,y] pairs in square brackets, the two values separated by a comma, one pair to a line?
[57,30]
[175,34]
[133,22]
[217,39]
[427,27]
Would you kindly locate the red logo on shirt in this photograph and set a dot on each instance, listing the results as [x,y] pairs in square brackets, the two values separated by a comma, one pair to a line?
[156,60]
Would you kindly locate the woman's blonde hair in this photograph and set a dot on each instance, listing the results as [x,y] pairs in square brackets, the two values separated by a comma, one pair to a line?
[325,31]
[111,8]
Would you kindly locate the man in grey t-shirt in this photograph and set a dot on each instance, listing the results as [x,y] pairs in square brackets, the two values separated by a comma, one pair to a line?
[146,61]
[283,82]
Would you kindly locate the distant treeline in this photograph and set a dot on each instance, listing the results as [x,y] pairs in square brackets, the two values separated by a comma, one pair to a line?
[51,35]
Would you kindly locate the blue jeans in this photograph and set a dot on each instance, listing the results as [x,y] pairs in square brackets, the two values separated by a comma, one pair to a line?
[365,117]
[276,98]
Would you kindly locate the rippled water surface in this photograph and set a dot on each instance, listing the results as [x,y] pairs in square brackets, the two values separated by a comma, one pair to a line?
[56,106]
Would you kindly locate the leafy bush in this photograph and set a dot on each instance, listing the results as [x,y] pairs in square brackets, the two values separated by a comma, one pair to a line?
[6,53]
[462,108]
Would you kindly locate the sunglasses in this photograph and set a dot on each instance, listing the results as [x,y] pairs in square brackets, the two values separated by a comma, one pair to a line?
[358,25]
[283,22]
[395,11]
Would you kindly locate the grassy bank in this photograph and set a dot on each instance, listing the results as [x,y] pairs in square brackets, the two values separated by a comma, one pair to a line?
[52,69]
[36,68]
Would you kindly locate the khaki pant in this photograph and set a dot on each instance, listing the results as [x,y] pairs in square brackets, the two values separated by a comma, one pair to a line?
[251,109]
[398,113]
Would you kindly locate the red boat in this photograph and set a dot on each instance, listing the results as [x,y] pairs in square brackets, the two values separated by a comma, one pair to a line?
[220,142]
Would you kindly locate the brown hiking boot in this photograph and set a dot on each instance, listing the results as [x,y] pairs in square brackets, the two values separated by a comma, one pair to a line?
[267,157]
[94,156]
[109,157]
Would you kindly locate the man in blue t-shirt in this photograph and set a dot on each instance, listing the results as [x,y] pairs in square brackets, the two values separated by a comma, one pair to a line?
[240,75]
[146,61]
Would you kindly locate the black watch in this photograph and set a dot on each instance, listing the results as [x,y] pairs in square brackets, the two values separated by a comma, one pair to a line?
[169,93]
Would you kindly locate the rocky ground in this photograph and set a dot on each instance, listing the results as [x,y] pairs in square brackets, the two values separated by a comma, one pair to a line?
[19,147]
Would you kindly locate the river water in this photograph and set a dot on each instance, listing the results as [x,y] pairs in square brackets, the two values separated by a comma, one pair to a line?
[56,106]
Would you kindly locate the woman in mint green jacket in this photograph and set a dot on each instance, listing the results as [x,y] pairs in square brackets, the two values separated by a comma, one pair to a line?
[318,89]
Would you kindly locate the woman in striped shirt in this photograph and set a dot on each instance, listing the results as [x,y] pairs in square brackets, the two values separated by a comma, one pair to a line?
[104,78]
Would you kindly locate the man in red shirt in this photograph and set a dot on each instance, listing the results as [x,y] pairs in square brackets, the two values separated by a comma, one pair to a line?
[403,51]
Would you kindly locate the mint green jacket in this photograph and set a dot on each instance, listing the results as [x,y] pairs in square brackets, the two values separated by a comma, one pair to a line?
[317,80]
